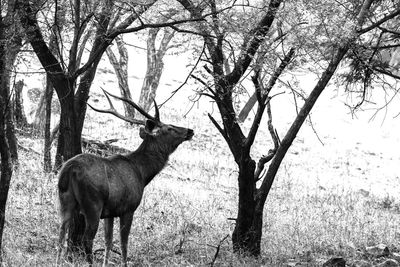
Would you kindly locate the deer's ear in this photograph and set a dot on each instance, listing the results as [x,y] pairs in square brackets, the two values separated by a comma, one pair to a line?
[151,128]
[150,125]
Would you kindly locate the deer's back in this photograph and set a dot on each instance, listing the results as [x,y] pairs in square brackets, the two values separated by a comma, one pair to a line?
[114,181]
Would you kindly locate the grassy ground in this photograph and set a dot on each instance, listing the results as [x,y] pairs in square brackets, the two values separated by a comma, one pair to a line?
[314,211]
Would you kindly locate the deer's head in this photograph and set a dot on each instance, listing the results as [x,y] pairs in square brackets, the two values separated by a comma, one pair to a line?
[153,129]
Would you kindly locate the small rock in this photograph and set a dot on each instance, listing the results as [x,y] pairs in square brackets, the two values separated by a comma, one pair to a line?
[335,262]
[363,192]
[389,263]
[361,263]
[378,250]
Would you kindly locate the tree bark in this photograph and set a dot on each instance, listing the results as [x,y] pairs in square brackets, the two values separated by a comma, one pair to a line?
[47,128]
[6,164]
[245,236]
[19,114]
[39,118]
[6,172]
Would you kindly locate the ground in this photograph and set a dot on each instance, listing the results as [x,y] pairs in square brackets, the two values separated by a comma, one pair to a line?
[330,200]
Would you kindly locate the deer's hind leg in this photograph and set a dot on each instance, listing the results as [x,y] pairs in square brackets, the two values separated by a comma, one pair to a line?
[124,229]
[108,234]
[92,212]
[67,207]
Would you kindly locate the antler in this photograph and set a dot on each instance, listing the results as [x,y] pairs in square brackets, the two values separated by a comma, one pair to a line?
[138,108]
[113,111]
[157,112]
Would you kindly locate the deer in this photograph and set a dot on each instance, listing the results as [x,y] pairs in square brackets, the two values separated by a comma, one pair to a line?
[109,187]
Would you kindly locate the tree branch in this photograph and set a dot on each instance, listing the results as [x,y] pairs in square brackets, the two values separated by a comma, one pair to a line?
[271,153]
[205,85]
[118,31]
[274,77]
[219,128]
[35,36]
[265,97]
[256,37]
[379,22]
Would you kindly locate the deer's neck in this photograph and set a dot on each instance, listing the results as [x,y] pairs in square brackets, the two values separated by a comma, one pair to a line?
[150,158]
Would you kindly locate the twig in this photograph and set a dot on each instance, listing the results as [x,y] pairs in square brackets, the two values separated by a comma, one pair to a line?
[206,85]
[218,249]
[187,78]
[29,150]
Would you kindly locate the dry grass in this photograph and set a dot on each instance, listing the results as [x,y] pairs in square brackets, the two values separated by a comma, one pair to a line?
[184,213]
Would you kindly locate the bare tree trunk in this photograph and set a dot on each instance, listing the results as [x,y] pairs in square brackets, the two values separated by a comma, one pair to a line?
[19,114]
[244,237]
[47,128]
[121,70]
[155,66]
[39,118]
[6,171]
[10,57]
[10,132]
[6,163]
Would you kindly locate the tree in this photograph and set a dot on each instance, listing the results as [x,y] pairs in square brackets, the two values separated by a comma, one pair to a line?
[254,186]
[18,105]
[13,39]
[5,126]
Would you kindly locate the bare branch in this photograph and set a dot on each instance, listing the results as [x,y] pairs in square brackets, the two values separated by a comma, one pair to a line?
[187,77]
[116,32]
[271,153]
[264,97]
[257,36]
[217,251]
[274,77]
[205,85]
[380,22]
[271,128]
[219,128]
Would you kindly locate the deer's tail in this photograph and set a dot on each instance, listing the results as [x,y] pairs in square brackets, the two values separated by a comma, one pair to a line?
[65,176]
[63,181]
